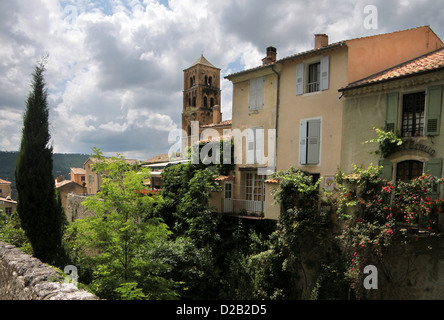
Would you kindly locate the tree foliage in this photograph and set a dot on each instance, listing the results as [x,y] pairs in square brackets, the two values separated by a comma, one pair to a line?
[116,242]
[40,213]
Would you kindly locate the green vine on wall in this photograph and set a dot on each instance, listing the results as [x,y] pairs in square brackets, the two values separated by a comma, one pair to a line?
[389,142]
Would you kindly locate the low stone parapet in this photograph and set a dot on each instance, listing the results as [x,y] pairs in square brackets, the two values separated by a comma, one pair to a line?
[23,277]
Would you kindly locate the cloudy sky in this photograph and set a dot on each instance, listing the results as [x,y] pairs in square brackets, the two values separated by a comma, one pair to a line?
[115,68]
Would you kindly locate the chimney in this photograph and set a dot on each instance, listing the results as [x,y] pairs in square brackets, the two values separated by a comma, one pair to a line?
[271,56]
[321,40]
[217,115]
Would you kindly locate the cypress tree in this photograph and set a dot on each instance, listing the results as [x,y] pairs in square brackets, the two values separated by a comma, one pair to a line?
[40,213]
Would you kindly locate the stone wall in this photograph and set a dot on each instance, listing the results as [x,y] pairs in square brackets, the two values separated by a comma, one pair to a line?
[23,277]
[74,209]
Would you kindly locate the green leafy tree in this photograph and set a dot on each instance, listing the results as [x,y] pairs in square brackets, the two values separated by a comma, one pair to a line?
[40,213]
[117,241]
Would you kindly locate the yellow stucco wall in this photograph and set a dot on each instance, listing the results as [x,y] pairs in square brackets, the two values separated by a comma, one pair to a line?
[325,105]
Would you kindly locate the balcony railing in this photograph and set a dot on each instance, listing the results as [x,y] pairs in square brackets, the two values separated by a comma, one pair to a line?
[243,207]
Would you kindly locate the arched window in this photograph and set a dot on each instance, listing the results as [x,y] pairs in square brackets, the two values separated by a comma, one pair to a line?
[191,81]
[409,170]
[211,103]
[194,101]
[205,102]
[210,81]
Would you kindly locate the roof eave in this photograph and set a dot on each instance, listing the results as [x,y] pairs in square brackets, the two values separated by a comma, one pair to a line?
[351,87]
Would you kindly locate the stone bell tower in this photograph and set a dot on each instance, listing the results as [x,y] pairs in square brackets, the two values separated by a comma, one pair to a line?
[201,94]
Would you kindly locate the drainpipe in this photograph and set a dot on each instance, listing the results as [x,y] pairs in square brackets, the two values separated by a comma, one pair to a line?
[277,114]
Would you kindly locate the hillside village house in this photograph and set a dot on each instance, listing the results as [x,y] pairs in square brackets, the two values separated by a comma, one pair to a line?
[78,175]
[93,179]
[406,99]
[65,187]
[299,97]
[7,205]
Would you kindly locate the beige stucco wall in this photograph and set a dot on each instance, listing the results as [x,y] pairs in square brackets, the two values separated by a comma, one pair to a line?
[272,210]
[243,119]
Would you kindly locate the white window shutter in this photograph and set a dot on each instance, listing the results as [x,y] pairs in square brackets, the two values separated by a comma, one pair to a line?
[325,66]
[300,78]
[314,141]
[259,145]
[253,94]
[250,146]
[260,83]
[303,142]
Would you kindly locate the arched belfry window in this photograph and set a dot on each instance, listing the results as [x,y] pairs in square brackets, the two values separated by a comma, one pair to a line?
[194,101]
[191,81]
[205,102]
[409,170]
[211,103]
[210,81]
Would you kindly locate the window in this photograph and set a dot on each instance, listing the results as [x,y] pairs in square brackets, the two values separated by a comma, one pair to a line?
[254,187]
[413,114]
[256,97]
[310,136]
[314,71]
[409,170]
[228,190]
[420,112]
[312,77]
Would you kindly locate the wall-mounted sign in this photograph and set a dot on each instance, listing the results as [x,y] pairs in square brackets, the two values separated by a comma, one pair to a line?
[411,145]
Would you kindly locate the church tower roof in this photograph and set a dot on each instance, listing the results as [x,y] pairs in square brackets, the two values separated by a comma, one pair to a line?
[203,61]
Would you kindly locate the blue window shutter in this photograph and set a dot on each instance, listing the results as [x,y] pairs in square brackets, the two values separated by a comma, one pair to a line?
[259,144]
[253,94]
[391,117]
[313,141]
[260,82]
[434,168]
[303,142]
[433,110]
[250,146]
[325,66]
[387,170]
[299,79]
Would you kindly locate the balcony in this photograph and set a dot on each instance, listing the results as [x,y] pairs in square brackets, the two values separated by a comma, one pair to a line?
[243,208]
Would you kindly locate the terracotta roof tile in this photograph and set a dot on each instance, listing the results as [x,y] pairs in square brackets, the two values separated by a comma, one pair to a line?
[158,158]
[432,61]
[5,181]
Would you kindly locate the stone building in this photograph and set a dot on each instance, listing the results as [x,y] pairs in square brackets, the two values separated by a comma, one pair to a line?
[7,205]
[201,98]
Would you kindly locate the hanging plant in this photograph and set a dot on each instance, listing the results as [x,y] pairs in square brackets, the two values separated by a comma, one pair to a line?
[389,142]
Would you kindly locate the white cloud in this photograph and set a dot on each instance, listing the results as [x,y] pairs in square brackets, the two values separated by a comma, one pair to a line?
[114,71]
